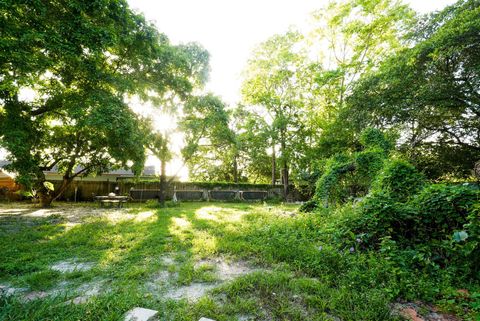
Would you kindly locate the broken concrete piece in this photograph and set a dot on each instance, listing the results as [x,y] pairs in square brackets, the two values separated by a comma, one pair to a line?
[205,319]
[141,314]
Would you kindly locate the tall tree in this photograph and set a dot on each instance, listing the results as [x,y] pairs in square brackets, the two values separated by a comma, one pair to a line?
[254,141]
[159,146]
[430,93]
[348,40]
[211,149]
[270,82]
[82,59]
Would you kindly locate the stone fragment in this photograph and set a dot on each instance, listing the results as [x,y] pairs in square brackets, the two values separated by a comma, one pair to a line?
[141,314]
[205,319]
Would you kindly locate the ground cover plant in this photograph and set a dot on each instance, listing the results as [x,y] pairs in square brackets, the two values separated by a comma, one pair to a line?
[227,261]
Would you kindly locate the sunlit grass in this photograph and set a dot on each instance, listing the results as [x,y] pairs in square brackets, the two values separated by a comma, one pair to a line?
[291,279]
[204,244]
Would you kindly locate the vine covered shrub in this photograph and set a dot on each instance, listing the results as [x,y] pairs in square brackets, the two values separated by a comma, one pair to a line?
[380,217]
[367,165]
[350,176]
[399,179]
[308,206]
[442,209]
[329,186]
[375,138]
[437,228]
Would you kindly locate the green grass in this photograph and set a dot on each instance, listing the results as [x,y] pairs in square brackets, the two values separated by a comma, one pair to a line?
[298,280]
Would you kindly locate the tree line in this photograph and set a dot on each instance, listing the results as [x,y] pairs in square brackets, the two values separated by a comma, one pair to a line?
[306,95]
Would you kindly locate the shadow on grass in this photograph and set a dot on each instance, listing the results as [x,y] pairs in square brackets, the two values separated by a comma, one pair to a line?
[127,251]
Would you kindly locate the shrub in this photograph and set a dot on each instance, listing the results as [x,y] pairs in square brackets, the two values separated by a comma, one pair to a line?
[443,209]
[399,179]
[367,165]
[381,216]
[346,177]
[329,186]
[375,138]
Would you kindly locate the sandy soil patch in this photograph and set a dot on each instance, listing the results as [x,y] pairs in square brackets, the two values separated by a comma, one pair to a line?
[163,284]
[71,266]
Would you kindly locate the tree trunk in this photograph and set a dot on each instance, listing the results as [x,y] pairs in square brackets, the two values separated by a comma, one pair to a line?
[235,169]
[65,184]
[163,181]
[285,179]
[46,196]
[45,199]
[274,164]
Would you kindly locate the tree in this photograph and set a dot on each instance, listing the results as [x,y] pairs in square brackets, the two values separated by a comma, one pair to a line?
[349,39]
[83,59]
[270,82]
[158,145]
[211,149]
[430,93]
[303,80]
[253,140]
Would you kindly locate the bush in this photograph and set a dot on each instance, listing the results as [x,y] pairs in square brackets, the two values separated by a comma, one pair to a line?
[349,176]
[330,188]
[399,179]
[380,217]
[438,228]
[443,209]
[375,138]
[367,165]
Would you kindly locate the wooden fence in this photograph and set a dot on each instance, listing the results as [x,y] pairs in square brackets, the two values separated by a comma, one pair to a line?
[84,190]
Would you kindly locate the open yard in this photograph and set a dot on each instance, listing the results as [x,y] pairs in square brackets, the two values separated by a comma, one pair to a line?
[224,261]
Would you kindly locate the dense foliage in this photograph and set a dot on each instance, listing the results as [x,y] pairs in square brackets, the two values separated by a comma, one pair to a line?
[307,96]
[67,70]
[430,91]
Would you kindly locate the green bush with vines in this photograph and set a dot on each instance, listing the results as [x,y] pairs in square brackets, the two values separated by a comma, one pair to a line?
[349,176]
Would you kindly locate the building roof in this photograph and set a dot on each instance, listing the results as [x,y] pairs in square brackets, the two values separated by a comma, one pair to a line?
[147,170]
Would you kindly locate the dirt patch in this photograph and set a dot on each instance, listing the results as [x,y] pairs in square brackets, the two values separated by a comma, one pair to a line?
[71,266]
[35,295]
[191,292]
[83,292]
[164,285]
[88,290]
[167,260]
[419,311]
[26,214]
[227,270]
[7,290]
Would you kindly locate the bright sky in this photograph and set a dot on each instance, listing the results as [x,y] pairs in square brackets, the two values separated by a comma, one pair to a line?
[229,30]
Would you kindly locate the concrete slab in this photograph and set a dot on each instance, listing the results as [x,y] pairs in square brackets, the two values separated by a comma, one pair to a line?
[141,314]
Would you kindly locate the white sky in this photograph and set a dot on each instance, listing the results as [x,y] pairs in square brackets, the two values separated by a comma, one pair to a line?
[229,30]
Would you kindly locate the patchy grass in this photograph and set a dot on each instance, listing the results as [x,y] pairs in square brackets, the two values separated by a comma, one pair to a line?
[245,262]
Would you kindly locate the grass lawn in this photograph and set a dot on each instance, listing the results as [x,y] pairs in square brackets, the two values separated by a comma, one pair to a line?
[226,261]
